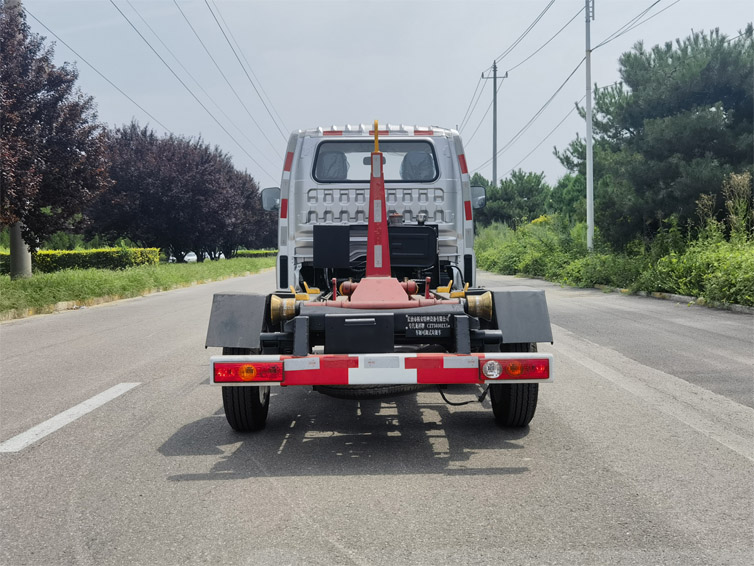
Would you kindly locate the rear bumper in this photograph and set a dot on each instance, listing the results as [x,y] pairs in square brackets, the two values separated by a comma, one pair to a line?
[381,369]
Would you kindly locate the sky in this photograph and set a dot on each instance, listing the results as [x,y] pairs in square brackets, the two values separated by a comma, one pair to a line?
[334,62]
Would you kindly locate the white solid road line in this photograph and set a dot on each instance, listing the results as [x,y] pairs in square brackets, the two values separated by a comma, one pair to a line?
[38,432]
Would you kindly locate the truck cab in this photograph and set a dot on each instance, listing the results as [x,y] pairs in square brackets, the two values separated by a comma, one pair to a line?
[323,196]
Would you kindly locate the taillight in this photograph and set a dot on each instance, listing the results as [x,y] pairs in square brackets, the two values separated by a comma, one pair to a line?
[248,371]
[515,369]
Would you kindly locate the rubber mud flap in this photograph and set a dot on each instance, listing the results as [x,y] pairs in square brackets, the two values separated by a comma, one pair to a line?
[236,320]
[521,315]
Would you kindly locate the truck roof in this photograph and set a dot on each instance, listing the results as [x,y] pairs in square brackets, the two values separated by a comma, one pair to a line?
[368,130]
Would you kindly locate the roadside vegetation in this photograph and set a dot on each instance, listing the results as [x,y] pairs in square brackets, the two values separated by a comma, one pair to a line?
[66,178]
[714,260]
[44,290]
[672,182]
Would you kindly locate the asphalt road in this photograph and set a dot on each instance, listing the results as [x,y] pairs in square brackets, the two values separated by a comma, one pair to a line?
[641,451]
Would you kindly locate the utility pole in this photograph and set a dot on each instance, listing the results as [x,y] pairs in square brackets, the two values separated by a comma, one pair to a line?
[494,119]
[589,11]
[20,256]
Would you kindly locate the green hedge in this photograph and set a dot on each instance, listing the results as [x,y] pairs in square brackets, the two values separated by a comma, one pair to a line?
[709,268]
[614,270]
[718,271]
[256,253]
[106,258]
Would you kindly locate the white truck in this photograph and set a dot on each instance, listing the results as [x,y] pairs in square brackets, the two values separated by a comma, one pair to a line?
[376,278]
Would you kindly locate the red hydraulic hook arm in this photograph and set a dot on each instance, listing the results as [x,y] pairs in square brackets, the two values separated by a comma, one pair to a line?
[378,245]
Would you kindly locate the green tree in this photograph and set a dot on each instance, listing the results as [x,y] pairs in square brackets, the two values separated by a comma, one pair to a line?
[518,199]
[178,194]
[479,181]
[569,197]
[52,158]
[677,125]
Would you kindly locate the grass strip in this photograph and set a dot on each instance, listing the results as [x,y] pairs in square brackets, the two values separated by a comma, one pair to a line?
[46,289]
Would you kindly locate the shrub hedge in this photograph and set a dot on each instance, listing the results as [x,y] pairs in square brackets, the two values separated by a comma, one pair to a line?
[105,258]
[708,267]
[718,271]
[256,253]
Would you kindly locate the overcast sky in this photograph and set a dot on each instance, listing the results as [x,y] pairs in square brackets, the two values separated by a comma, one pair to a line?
[319,63]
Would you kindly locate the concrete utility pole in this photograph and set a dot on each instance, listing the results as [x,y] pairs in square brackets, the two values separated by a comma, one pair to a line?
[589,11]
[494,119]
[20,256]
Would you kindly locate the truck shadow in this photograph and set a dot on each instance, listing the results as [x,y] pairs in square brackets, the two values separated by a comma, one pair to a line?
[309,434]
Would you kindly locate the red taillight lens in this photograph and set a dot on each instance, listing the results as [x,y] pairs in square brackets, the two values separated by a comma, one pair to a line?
[248,371]
[519,369]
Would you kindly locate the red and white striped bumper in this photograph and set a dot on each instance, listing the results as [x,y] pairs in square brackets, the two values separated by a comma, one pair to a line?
[382,369]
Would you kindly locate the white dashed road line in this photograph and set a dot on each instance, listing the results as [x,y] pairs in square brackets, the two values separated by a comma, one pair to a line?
[38,432]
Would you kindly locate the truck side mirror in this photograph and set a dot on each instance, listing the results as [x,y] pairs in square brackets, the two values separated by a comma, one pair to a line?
[478,197]
[271,198]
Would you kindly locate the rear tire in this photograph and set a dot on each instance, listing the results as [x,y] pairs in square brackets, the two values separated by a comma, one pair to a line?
[246,406]
[514,404]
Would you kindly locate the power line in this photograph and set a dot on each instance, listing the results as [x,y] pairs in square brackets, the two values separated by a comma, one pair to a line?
[464,124]
[227,27]
[463,121]
[524,34]
[645,20]
[539,112]
[742,34]
[217,66]
[244,70]
[188,89]
[230,120]
[543,140]
[548,41]
[625,28]
[111,83]
[502,80]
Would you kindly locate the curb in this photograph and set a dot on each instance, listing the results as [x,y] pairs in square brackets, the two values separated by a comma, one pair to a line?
[690,301]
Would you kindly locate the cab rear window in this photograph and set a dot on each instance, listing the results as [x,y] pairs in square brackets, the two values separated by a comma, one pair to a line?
[350,161]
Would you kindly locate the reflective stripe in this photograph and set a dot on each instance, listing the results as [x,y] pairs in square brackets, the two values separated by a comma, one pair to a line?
[462,162]
[377,165]
[460,362]
[300,364]
[288,161]
[380,376]
[384,362]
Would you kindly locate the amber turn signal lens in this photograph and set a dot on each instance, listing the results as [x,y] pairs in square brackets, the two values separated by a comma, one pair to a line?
[247,372]
[514,368]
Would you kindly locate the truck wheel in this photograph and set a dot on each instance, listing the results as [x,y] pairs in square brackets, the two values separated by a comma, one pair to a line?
[513,404]
[245,407]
